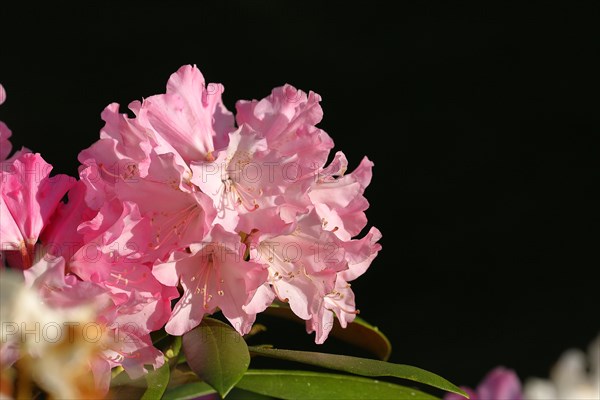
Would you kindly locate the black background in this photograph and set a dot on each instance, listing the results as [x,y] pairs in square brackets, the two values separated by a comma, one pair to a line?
[481,120]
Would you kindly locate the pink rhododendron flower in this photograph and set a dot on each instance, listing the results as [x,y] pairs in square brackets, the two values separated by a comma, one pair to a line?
[179,202]
[287,119]
[245,177]
[29,197]
[190,116]
[340,301]
[338,198]
[124,342]
[310,268]
[5,145]
[303,261]
[194,182]
[215,274]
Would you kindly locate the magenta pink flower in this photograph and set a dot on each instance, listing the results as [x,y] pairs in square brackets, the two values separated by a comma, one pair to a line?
[29,197]
[5,145]
[499,384]
[61,237]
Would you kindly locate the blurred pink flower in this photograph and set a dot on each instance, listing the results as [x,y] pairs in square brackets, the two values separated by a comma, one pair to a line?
[499,384]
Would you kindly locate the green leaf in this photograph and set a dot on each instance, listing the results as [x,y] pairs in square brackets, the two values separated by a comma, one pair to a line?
[240,394]
[188,391]
[366,336]
[217,354]
[157,383]
[194,390]
[358,333]
[304,385]
[360,366]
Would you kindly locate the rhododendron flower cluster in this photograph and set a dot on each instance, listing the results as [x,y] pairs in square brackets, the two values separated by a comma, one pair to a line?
[185,203]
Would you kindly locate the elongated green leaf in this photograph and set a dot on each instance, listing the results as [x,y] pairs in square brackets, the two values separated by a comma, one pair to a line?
[359,333]
[194,390]
[157,383]
[360,366]
[303,385]
[241,394]
[217,354]
[366,336]
[188,391]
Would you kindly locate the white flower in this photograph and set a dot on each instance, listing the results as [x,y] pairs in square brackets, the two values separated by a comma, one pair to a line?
[45,343]
[576,376]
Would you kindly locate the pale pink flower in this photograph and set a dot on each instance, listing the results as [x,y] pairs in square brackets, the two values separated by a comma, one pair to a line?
[244,177]
[176,218]
[215,275]
[303,261]
[190,116]
[123,340]
[2,94]
[121,153]
[199,184]
[341,301]
[102,247]
[287,119]
[338,198]
[29,197]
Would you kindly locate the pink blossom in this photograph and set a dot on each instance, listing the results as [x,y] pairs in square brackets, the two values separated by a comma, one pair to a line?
[195,179]
[303,261]
[245,177]
[190,116]
[61,237]
[110,257]
[176,218]
[124,341]
[5,145]
[287,119]
[215,275]
[310,268]
[499,384]
[29,197]
[340,301]
[338,198]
